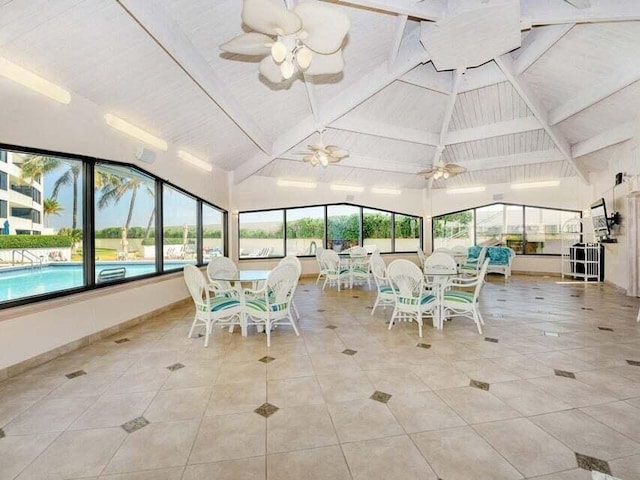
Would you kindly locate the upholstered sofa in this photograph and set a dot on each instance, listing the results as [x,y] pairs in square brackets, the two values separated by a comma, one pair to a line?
[500,258]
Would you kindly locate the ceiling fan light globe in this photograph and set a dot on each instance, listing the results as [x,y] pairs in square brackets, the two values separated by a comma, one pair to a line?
[445,175]
[304,57]
[323,159]
[279,52]
[287,69]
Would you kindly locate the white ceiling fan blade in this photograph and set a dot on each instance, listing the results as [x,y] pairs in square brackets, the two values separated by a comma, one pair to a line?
[325,26]
[249,44]
[318,147]
[270,18]
[308,158]
[337,152]
[270,70]
[326,64]
[426,173]
[454,169]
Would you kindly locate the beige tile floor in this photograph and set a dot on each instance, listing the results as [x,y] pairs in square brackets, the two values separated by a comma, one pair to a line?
[197,419]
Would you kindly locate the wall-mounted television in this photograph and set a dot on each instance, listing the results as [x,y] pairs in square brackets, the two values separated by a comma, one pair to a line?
[599,219]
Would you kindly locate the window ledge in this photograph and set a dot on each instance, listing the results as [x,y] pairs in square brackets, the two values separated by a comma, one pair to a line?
[44,305]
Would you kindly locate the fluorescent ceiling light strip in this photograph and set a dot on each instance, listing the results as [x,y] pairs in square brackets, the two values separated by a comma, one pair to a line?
[544,184]
[135,132]
[466,190]
[386,191]
[30,80]
[296,183]
[347,188]
[187,157]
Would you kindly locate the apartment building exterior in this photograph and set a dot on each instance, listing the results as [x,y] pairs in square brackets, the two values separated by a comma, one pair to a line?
[20,201]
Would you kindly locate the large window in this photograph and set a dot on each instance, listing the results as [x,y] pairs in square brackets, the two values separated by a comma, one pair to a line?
[262,234]
[3,181]
[455,229]
[305,230]
[528,230]
[408,233]
[180,229]
[543,227]
[212,232]
[343,227]
[376,230]
[52,242]
[337,227]
[125,235]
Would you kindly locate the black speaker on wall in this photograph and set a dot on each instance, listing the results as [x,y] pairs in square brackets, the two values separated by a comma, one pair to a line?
[618,178]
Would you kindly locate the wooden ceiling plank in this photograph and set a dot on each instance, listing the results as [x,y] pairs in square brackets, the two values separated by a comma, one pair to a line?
[170,37]
[505,62]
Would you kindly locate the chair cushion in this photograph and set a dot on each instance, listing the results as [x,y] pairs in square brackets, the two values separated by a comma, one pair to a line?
[458,296]
[386,290]
[426,299]
[499,255]
[217,304]
[260,305]
[473,252]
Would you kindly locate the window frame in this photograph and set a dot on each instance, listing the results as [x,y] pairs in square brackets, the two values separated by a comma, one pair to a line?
[326,229]
[87,194]
[524,225]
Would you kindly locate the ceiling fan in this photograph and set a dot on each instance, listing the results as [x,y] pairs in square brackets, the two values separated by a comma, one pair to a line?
[306,39]
[321,154]
[442,170]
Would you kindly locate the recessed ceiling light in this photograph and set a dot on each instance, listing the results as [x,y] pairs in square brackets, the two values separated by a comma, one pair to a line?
[544,184]
[34,82]
[346,188]
[136,132]
[187,157]
[386,191]
[296,183]
[480,188]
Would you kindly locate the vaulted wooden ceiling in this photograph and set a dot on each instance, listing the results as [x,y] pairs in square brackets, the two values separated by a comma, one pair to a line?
[572,88]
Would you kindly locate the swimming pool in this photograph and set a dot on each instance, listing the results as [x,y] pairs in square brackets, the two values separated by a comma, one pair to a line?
[23,282]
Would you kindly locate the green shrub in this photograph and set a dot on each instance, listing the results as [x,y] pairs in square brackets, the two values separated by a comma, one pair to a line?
[35,241]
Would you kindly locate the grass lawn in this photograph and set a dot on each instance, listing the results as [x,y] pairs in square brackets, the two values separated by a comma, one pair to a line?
[104,254]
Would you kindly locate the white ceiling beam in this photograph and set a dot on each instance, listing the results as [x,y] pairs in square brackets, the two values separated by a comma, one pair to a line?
[430,10]
[606,139]
[451,102]
[385,165]
[170,37]
[498,129]
[426,76]
[536,43]
[553,12]
[368,126]
[482,76]
[579,3]
[401,23]
[339,105]
[594,94]
[519,159]
[505,62]
[369,163]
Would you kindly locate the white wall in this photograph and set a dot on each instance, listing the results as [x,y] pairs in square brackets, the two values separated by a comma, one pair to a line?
[617,158]
[32,120]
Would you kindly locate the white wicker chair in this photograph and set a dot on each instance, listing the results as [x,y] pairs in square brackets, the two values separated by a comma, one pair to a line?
[295,261]
[412,303]
[221,267]
[472,266]
[334,272]
[385,291]
[359,265]
[271,305]
[321,273]
[225,310]
[464,303]
[421,258]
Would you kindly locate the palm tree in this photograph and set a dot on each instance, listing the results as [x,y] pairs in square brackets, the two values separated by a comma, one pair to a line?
[51,206]
[115,188]
[38,165]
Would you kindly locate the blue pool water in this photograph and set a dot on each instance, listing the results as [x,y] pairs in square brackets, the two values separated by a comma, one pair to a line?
[26,281]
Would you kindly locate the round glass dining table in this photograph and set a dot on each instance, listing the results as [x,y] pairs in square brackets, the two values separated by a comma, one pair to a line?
[243,276]
[440,279]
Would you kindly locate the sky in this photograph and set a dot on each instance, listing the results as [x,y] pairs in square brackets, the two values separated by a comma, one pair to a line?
[178,208]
